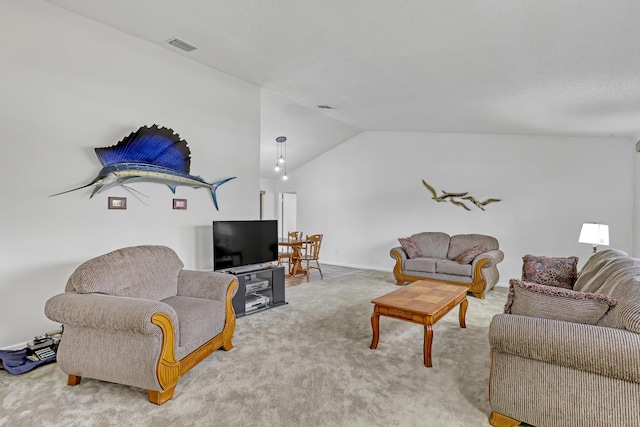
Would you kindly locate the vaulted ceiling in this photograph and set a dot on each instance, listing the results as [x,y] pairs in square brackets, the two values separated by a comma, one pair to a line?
[545,67]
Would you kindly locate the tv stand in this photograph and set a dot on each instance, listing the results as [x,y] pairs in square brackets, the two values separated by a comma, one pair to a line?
[246,269]
[260,288]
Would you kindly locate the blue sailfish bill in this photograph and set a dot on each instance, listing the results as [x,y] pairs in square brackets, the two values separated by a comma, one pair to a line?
[150,154]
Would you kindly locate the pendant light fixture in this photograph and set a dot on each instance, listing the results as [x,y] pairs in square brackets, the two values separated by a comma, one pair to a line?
[281,156]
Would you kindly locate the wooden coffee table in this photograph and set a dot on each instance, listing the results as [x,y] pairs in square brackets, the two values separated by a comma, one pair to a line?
[423,302]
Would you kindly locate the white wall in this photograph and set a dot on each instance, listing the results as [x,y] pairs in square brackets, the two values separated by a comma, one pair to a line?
[69,85]
[288,214]
[367,192]
[269,198]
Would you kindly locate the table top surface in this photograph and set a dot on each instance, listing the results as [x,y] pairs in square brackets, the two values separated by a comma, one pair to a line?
[285,242]
[426,297]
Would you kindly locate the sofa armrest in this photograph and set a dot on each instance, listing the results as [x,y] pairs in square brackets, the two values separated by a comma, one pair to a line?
[205,284]
[400,253]
[108,312]
[601,350]
[494,256]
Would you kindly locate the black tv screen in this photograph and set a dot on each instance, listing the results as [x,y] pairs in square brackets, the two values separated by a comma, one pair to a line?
[241,243]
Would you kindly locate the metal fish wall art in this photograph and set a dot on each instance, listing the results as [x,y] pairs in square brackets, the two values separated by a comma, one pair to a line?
[150,154]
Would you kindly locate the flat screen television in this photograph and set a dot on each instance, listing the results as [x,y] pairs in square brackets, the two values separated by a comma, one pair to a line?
[244,243]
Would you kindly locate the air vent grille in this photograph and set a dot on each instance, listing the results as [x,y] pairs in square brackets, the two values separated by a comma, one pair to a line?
[182,45]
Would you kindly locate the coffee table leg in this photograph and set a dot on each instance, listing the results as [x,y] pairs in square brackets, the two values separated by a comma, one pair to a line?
[375,324]
[463,313]
[428,340]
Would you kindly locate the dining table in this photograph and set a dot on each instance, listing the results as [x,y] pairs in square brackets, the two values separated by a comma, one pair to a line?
[295,266]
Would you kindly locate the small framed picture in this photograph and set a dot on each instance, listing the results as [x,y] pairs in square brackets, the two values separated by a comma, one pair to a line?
[117,203]
[180,204]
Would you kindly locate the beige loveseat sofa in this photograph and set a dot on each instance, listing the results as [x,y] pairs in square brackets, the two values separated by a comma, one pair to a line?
[570,357]
[135,317]
[437,260]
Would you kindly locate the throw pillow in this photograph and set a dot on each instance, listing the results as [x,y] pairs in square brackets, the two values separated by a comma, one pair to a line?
[560,272]
[469,255]
[409,246]
[552,302]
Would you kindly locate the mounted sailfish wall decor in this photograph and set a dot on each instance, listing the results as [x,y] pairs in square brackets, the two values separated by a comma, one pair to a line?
[456,198]
[151,154]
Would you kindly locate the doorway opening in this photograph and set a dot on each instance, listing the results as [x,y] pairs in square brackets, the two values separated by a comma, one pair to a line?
[280,206]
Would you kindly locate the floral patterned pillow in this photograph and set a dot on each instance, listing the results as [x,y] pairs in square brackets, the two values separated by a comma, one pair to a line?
[469,255]
[556,303]
[560,272]
[409,246]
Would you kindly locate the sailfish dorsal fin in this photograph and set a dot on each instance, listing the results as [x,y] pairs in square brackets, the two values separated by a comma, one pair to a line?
[150,145]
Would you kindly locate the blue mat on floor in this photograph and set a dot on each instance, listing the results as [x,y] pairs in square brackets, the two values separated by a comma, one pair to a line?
[15,361]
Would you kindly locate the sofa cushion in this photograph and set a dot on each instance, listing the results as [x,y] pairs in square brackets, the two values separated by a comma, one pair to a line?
[560,272]
[593,265]
[557,303]
[149,272]
[427,265]
[410,247]
[462,242]
[447,266]
[432,244]
[625,287]
[630,314]
[469,255]
[199,320]
[591,281]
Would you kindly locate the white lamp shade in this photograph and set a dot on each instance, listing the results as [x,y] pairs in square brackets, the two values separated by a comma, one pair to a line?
[595,234]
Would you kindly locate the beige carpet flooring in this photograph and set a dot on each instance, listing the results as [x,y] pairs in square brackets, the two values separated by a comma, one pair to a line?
[328,271]
[307,363]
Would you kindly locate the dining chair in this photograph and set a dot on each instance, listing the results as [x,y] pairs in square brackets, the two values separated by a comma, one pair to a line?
[287,255]
[311,252]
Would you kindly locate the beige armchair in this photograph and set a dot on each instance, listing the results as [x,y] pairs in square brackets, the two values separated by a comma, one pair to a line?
[136,317]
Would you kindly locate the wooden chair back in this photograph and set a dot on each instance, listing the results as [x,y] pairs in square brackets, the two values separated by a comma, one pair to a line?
[312,246]
[294,235]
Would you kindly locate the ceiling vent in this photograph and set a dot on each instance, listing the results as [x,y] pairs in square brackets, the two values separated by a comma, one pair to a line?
[181,45]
